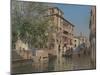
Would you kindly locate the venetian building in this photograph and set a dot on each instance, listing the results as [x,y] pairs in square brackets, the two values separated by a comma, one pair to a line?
[92,38]
[68,34]
[76,42]
[63,35]
[56,22]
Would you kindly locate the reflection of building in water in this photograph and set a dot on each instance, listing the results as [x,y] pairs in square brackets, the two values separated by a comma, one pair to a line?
[40,60]
[40,55]
[92,27]
[40,66]
[63,34]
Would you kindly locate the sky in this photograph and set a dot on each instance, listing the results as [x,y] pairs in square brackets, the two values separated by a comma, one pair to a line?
[78,15]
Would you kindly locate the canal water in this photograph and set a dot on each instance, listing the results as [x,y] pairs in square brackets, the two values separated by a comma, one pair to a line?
[59,63]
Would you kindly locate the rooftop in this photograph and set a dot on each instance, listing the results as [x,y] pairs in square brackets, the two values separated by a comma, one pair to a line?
[60,16]
[57,9]
[64,19]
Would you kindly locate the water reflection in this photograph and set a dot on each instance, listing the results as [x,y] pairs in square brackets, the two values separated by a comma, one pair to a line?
[40,66]
[61,63]
[58,63]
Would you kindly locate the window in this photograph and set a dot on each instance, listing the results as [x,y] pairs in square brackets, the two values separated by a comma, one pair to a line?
[65,32]
[75,40]
[45,57]
[75,45]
